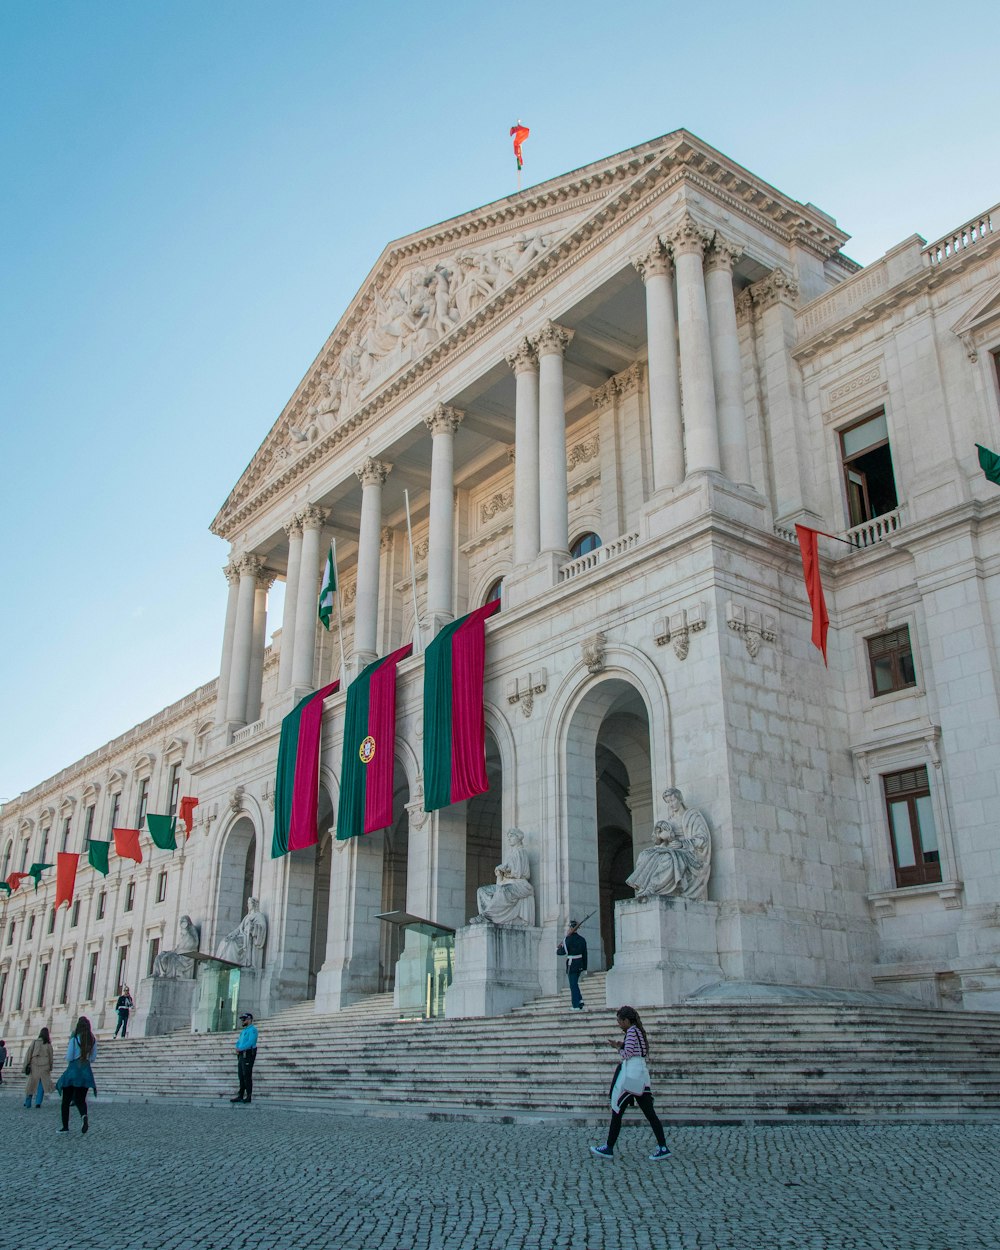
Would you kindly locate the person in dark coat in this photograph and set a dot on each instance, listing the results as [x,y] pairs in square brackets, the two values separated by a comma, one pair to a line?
[123,1006]
[574,948]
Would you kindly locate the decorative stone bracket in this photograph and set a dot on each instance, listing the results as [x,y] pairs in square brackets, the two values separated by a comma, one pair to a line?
[756,627]
[592,652]
[678,627]
[863,755]
[523,688]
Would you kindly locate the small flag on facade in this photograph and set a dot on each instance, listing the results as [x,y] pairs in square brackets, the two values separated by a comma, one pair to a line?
[36,871]
[66,865]
[519,133]
[5,886]
[161,830]
[15,879]
[328,589]
[97,855]
[188,804]
[809,547]
[989,462]
[127,844]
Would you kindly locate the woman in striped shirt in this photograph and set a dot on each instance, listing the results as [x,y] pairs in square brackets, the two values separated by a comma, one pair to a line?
[635,1047]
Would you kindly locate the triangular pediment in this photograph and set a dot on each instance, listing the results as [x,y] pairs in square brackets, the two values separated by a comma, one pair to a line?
[431,291]
[984,312]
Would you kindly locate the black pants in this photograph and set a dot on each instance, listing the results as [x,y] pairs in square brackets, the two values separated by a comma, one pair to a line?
[244,1064]
[122,1022]
[73,1094]
[645,1102]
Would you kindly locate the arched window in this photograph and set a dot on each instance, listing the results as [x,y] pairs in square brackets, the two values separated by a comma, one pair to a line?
[585,544]
[493,592]
[6,860]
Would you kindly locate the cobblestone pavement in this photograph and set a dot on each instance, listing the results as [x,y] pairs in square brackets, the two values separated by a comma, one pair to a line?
[192,1178]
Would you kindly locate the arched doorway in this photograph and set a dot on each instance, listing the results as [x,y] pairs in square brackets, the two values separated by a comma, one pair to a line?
[483,831]
[609,807]
[237,877]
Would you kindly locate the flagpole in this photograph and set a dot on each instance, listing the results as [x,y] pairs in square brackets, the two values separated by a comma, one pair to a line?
[418,644]
[340,620]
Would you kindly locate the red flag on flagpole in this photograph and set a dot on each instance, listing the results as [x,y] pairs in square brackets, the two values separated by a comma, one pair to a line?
[814,587]
[519,133]
[188,804]
[66,862]
[127,844]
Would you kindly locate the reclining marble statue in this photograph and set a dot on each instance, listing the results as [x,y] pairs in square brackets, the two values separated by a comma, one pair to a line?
[245,944]
[177,965]
[512,900]
[680,859]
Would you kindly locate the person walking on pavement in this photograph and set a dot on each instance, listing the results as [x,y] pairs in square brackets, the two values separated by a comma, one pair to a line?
[123,1006]
[574,947]
[246,1053]
[630,1084]
[3,1057]
[79,1076]
[38,1069]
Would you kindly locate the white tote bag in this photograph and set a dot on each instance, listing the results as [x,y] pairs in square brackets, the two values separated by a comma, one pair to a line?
[632,1078]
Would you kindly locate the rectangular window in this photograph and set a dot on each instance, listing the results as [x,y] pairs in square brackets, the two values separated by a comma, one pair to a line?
[10,933]
[868,475]
[3,988]
[31,928]
[64,842]
[915,852]
[102,902]
[116,807]
[140,813]
[161,887]
[130,896]
[120,973]
[74,919]
[43,980]
[91,978]
[88,823]
[43,857]
[173,789]
[21,978]
[64,992]
[52,921]
[890,658]
[24,856]
[154,950]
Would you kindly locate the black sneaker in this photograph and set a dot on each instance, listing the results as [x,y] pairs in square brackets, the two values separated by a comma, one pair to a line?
[86,1125]
[602,1152]
[238,1098]
[661,1152]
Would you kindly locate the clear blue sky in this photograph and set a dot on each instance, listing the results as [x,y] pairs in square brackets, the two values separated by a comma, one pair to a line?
[194,191]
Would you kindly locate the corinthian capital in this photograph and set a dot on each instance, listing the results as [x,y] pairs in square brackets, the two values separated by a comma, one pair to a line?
[293,527]
[373,472]
[552,339]
[689,236]
[231,572]
[312,517]
[265,579]
[777,288]
[444,420]
[652,262]
[723,254]
[523,359]
[249,565]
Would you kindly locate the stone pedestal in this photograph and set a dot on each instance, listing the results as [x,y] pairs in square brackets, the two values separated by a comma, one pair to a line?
[496,970]
[665,949]
[162,1005]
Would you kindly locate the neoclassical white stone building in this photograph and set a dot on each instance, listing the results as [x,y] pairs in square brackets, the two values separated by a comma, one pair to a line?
[611,396]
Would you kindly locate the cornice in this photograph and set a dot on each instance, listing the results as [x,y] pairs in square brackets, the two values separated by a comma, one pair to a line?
[645,174]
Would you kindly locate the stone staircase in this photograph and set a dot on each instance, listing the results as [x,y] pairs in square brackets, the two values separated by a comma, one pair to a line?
[710,1062]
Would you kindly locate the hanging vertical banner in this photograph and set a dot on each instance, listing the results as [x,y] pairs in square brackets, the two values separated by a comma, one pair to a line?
[97,856]
[127,844]
[162,829]
[66,865]
[369,749]
[296,786]
[809,547]
[186,813]
[454,716]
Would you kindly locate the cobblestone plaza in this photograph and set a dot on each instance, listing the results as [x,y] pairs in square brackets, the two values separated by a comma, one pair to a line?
[198,1177]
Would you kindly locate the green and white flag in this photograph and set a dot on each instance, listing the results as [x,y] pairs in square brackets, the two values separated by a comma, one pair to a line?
[329,587]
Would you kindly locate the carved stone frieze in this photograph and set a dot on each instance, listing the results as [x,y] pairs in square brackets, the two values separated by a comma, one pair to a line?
[502,501]
[583,452]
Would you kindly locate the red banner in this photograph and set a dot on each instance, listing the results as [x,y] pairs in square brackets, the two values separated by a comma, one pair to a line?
[814,587]
[188,804]
[127,844]
[66,862]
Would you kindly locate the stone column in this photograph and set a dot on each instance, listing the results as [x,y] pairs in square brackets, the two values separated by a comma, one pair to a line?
[442,423]
[688,242]
[667,434]
[726,363]
[372,475]
[222,697]
[294,531]
[551,344]
[307,596]
[258,638]
[249,568]
[524,362]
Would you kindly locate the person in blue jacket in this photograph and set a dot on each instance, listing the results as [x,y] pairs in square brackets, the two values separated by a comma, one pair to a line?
[246,1053]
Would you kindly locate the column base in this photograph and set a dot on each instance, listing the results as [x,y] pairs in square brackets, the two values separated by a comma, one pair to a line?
[162,1005]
